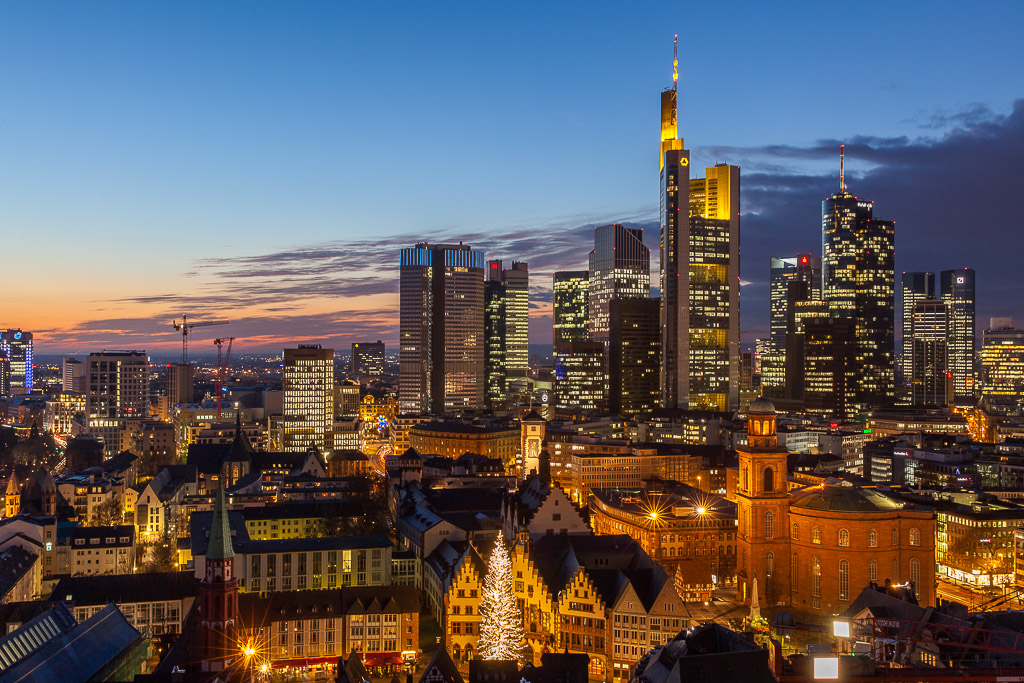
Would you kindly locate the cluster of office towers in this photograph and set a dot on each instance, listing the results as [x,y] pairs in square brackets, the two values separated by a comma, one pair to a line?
[832,343]
[464,329]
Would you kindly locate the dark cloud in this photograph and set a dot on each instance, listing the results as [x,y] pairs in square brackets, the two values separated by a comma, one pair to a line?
[952,197]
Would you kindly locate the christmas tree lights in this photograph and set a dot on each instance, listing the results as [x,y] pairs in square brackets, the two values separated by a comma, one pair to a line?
[501,621]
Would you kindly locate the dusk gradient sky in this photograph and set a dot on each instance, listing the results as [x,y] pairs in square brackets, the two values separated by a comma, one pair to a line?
[265,161]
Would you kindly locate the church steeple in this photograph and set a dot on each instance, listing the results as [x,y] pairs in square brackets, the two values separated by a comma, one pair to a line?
[220,547]
[218,593]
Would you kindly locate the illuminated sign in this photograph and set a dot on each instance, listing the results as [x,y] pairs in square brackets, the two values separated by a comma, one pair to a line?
[17,335]
[959,280]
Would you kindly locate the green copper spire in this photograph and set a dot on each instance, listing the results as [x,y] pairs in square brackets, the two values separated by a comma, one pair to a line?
[219,547]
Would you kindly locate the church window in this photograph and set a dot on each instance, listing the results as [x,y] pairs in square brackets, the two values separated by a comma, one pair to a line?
[872,539]
[915,537]
[873,570]
[816,535]
[844,580]
[769,524]
[816,577]
[844,538]
[769,479]
[795,533]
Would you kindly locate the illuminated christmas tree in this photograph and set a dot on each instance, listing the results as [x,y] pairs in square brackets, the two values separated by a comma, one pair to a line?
[501,621]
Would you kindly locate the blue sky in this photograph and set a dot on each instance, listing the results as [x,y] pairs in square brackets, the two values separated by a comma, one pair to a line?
[150,149]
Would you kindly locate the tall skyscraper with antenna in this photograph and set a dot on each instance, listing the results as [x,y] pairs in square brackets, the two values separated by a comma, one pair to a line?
[700,266]
[858,282]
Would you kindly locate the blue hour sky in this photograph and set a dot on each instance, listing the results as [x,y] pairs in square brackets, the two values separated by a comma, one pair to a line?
[264,161]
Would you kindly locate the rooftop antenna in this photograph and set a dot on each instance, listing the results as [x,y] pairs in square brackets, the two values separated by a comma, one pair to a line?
[842,168]
[675,61]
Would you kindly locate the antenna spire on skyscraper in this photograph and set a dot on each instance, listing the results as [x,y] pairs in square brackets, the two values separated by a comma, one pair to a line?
[842,168]
[675,61]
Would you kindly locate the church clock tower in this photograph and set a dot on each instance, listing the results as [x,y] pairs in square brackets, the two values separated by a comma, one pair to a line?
[762,500]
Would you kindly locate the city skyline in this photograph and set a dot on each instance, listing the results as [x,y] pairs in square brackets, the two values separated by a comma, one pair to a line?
[291,258]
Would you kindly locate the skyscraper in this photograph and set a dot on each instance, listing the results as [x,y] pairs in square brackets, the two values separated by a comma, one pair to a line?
[308,399]
[830,369]
[180,383]
[914,287]
[1002,359]
[929,365]
[620,268]
[368,359]
[634,356]
[117,390]
[580,376]
[700,261]
[441,321]
[16,346]
[858,282]
[957,291]
[569,311]
[784,270]
[506,326]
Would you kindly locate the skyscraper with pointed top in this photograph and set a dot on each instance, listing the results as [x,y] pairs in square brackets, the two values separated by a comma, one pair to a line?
[859,283]
[700,273]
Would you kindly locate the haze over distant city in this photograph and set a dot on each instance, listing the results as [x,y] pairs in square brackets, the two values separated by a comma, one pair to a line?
[266,163]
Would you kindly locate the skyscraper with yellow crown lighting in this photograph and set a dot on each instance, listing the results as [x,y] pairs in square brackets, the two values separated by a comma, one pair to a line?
[700,274]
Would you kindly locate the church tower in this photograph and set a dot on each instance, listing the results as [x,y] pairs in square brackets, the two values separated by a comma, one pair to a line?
[762,500]
[218,594]
[532,429]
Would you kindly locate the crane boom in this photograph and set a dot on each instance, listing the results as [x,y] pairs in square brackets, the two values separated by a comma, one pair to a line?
[223,361]
[185,327]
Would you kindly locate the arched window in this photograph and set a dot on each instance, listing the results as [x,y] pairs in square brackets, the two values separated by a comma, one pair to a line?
[915,537]
[769,524]
[769,564]
[895,537]
[769,479]
[795,533]
[795,568]
[844,580]
[816,535]
[816,577]
[873,570]
[746,483]
[872,539]
[896,571]
[915,575]
[844,538]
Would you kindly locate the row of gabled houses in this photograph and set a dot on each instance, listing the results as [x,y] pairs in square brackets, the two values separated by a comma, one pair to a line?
[601,596]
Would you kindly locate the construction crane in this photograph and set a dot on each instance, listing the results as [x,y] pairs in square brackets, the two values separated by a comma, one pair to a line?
[185,327]
[223,361]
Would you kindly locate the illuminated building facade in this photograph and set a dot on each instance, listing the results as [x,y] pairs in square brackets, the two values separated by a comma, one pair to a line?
[368,359]
[802,267]
[308,399]
[569,311]
[5,376]
[117,390]
[441,321]
[453,439]
[929,353]
[829,367]
[914,287]
[506,327]
[1002,359]
[858,282]
[957,291]
[684,529]
[700,238]
[620,268]
[634,356]
[16,346]
[579,377]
